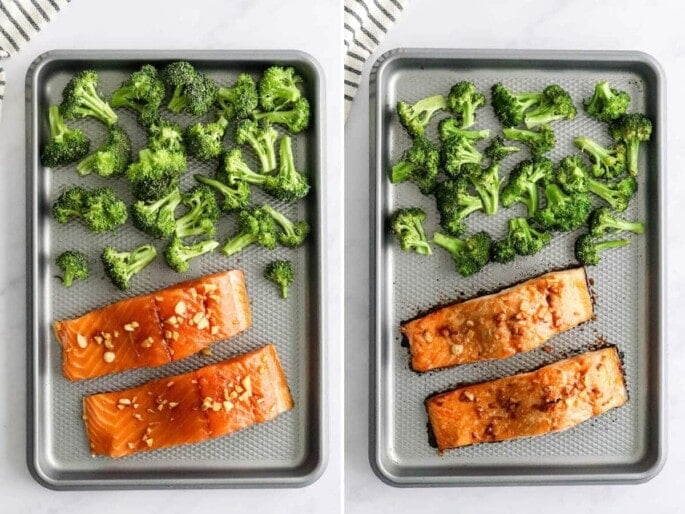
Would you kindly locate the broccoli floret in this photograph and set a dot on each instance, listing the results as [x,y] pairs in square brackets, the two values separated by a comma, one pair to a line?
[74,266]
[239,100]
[419,164]
[204,139]
[522,239]
[278,87]
[415,117]
[143,92]
[191,91]
[503,251]
[556,104]
[449,128]
[588,251]
[603,222]
[631,130]
[203,212]
[455,203]
[255,225]
[510,107]
[121,266]
[540,141]
[65,145]
[81,98]
[606,104]
[572,175]
[234,196]
[563,212]
[237,170]
[463,100]
[165,135]
[261,136]
[487,183]
[157,219]
[295,118]
[458,152]
[288,184]
[523,183]
[606,162]
[156,173]
[178,255]
[98,208]
[497,150]
[470,254]
[280,273]
[111,158]
[407,224]
[293,233]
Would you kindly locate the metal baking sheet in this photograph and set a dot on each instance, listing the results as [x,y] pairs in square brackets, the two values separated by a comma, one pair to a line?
[289,451]
[624,445]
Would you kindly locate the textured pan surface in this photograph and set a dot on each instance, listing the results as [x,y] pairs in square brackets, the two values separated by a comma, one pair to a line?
[624,444]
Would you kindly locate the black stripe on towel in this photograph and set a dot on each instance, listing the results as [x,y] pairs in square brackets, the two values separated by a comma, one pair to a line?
[14,22]
[351,84]
[384,11]
[371,16]
[26,15]
[354,15]
[348,97]
[40,10]
[352,70]
[9,38]
[54,5]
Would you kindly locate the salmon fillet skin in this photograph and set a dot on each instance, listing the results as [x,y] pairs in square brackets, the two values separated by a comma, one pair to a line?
[518,319]
[210,402]
[553,398]
[156,328]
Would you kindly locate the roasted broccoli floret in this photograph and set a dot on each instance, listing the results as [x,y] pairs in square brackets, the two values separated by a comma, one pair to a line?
[191,91]
[74,266]
[449,128]
[288,184]
[111,158]
[486,182]
[419,164]
[121,266]
[523,183]
[463,100]
[163,134]
[65,145]
[603,222]
[539,141]
[606,104]
[156,173]
[606,162]
[457,153]
[280,273]
[497,150]
[157,219]
[178,255]
[98,208]
[588,250]
[295,117]
[415,117]
[143,92]
[556,104]
[407,224]
[470,254]
[278,88]
[234,196]
[293,233]
[239,100]
[562,211]
[255,225]
[522,239]
[261,136]
[237,170]
[204,139]
[572,175]
[455,203]
[631,130]
[203,212]
[510,107]
[81,98]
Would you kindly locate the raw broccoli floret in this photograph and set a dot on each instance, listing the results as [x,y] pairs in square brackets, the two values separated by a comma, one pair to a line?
[455,203]
[562,211]
[157,219]
[497,150]
[295,117]
[510,107]
[81,98]
[121,266]
[449,128]
[522,239]
[65,145]
[463,100]
[255,225]
[204,139]
[163,134]
[523,183]
[237,170]
[98,208]
[288,184]
[278,87]
[415,117]
[419,164]
[203,212]
[280,273]
[588,250]
[178,255]
[556,104]
[470,254]
[74,266]
[458,152]
[261,136]
[603,222]
[407,224]
[606,162]
[156,173]
[486,182]
[293,233]
[143,92]
[631,130]
[540,141]
[191,91]
[239,100]
[606,104]
[234,196]
[111,158]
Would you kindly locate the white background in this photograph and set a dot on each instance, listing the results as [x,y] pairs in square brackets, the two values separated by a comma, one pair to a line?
[651,26]
[312,26]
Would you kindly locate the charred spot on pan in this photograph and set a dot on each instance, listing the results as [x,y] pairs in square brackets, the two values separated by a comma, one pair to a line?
[432,440]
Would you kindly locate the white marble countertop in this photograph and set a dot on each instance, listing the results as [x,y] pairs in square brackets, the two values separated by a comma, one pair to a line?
[652,27]
[313,27]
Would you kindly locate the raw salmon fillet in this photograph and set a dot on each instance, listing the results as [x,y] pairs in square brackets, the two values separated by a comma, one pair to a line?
[155,329]
[210,402]
[553,398]
[496,326]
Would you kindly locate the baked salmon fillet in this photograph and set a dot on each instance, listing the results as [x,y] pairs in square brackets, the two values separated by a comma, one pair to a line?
[496,326]
[155,329]
[210,402]
[553,398]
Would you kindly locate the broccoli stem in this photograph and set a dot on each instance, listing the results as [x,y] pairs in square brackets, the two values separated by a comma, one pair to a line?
[532,200]
[402,171]
[266,153]
[237,244]
[85,167]
[523,135]
[626,226]
[597,151]
[57,126]
[612,243]
[601,190]
[284,290]
[68,278]
[632,147]
[178,101]
[452,244]
[428,106]
[100,108]
[279,218]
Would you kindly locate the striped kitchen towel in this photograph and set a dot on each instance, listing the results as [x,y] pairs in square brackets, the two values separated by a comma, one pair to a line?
[366,23]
